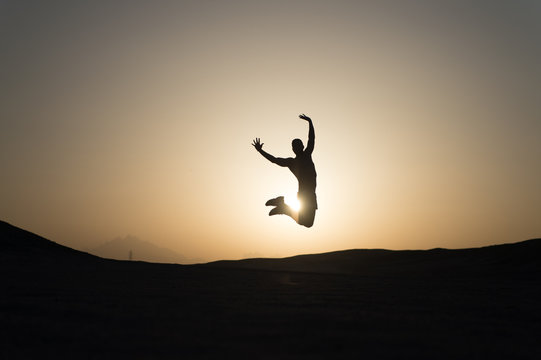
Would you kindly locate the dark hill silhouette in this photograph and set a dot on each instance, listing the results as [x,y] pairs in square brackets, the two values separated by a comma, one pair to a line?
[446,304]
[517,257]
[22,245]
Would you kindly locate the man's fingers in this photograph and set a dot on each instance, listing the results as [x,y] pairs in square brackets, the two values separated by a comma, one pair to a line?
[257,143]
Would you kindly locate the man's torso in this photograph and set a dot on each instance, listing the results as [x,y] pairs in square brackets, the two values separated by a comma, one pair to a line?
[304,170]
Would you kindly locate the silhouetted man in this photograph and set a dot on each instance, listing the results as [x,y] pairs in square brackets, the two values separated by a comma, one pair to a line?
[304,170]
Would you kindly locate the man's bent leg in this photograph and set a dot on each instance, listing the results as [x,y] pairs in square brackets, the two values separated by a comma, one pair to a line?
[307,216]
[308,209]
[284,209]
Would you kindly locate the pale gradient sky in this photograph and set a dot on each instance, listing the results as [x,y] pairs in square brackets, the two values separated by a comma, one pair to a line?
[136,117]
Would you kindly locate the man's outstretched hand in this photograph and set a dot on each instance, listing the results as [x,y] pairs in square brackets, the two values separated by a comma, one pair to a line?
[304,117]
[257,144]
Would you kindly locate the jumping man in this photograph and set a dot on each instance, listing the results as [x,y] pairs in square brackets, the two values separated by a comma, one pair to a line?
[304,170]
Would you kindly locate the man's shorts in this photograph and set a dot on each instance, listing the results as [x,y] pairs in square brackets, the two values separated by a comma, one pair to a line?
[308,200]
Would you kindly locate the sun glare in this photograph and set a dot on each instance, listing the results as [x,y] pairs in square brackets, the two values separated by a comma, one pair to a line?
[293,202]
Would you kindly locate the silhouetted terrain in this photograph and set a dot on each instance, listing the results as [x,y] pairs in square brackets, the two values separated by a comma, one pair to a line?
[472,303]
[120,249]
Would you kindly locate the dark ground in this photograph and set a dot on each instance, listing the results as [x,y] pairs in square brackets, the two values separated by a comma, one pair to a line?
[375,304]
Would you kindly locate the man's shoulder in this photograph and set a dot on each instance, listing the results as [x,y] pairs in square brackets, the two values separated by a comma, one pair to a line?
[284,161]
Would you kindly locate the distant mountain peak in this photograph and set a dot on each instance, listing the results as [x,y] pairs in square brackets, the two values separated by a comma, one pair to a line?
[130,247]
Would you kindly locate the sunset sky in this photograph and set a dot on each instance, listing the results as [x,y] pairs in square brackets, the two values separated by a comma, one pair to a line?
[136,117]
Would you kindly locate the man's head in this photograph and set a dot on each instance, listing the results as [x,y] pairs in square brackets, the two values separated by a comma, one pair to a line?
[297,146]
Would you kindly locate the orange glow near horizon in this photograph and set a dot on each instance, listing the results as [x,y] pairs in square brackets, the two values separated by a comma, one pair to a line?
[138,120]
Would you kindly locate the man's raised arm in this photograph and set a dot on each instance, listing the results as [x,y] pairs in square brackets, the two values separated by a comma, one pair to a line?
[311,134]
[259,147]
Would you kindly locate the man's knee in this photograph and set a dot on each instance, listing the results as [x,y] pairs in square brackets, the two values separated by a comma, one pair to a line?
[308,224]
[307,220]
